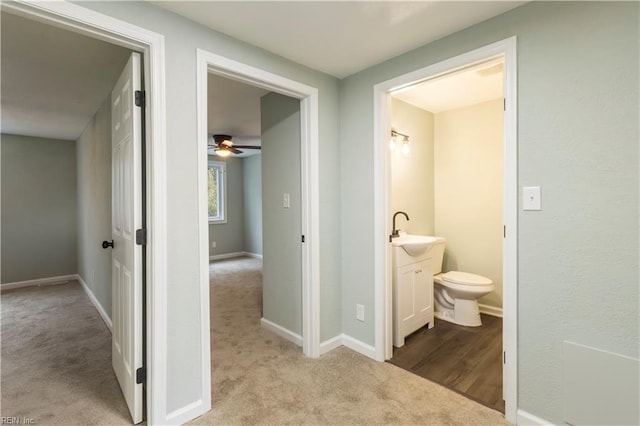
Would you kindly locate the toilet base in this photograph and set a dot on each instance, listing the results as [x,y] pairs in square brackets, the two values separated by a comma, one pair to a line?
[464,312]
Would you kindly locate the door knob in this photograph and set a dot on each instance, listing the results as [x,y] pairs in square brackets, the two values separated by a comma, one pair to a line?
[106,244]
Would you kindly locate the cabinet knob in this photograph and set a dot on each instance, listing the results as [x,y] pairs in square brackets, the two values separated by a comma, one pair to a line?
[418,271]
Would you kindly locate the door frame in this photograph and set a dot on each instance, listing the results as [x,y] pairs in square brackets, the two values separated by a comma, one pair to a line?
[87,22]
[382,220]
[208,62]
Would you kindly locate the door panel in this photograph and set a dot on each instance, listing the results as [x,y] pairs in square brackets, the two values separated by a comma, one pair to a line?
[126,138]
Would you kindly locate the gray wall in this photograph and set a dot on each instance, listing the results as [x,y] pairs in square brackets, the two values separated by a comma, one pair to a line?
[182,38]
[229,237]
[39,208]
[282,260]
[578,111]
[252,181]
[93,162]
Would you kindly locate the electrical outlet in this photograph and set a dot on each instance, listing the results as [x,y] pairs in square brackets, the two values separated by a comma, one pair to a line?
[360,312]
[213,244]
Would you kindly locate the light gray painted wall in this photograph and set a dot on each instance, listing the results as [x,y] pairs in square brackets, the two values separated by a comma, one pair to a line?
[229,237]
[39,208]
[252,180]
[578,111]
[412,176]
[93,162]
[182,38]
[282,257]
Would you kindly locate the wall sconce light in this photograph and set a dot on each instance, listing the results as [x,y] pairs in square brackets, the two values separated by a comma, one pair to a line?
[397,137]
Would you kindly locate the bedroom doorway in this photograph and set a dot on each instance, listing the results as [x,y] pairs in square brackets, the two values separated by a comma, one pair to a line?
[95,25]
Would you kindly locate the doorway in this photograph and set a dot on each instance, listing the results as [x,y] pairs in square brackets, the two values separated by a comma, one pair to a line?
[210,63]
[80,20]
[382,93]
[447,175]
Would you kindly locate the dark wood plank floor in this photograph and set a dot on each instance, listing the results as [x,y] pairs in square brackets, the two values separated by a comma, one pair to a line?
[467,360]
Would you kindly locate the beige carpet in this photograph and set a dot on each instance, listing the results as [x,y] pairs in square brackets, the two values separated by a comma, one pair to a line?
[260,378]
[56,359]
[56,367]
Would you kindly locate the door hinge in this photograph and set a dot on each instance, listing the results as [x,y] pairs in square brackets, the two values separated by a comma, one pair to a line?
[504,231]
[141,375]
[140,98]
[504,357]
[504,104]
[303,238]
[141,237]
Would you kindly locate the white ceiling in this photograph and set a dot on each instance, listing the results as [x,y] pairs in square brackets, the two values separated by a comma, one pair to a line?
[471,86]
[53,81]
[338,37]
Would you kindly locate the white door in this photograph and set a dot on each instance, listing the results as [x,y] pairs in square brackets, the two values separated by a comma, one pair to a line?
[126,143]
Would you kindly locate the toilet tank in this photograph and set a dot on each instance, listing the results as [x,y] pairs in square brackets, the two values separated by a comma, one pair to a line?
[437,254]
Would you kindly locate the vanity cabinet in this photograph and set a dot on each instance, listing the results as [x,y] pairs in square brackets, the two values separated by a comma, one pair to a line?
[412,294]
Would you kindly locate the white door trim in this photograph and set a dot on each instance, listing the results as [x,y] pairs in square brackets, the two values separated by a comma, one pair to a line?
[382,219]
[208,62]
[87,22]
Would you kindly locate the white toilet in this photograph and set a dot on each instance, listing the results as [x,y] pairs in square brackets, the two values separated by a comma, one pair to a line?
[456,293]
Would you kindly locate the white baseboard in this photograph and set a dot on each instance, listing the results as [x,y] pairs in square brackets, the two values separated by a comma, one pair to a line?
[96,303]
[358,346]
[235,254]
[351,343]
[227,255]
[490,310]
[281,331]
[528,419]
[331,344]
[40,281]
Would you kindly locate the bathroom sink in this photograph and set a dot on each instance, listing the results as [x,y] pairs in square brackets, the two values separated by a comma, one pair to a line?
[414,245]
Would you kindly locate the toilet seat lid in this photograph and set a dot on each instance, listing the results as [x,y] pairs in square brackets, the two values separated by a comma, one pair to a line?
[465,278]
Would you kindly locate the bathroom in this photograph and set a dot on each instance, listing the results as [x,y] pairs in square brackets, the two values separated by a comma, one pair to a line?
[447,175]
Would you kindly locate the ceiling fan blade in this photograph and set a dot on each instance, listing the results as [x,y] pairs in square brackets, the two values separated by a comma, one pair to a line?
[247,146]
[234,150]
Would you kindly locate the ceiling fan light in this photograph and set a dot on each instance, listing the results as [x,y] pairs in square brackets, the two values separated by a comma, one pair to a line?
[223,152]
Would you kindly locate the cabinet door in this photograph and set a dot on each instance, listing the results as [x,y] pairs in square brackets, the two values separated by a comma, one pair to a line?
[415,295]
[423,277]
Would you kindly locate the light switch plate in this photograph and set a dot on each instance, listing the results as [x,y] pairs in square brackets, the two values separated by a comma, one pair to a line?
[286,200]
[531,198]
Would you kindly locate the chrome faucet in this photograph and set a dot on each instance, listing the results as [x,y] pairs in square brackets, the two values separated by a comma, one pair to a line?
[396,232]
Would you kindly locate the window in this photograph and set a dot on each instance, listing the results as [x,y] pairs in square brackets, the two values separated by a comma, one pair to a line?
[217,189]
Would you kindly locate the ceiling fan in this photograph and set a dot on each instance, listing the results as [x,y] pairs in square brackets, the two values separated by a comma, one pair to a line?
[224,146]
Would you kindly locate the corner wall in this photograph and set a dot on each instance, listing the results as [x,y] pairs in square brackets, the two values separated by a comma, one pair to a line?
[39,208]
